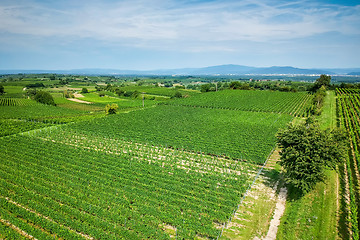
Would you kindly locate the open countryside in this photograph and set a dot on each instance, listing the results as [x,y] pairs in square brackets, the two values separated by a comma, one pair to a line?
[177,162]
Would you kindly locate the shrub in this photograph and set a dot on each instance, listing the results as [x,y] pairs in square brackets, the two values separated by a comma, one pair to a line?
[44,97]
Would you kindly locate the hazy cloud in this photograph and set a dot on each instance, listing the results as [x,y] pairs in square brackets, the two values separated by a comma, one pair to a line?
[195,21]
[182,26]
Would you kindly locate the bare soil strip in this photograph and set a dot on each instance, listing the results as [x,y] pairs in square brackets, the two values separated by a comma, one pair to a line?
[253,218]
[77,95]
[79,101]
[22,232]
[279,211]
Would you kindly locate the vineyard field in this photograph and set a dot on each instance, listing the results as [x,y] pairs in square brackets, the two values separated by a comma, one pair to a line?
[296,104]
[43,113]
[348,103]
[236,134]
[12,126]
[159,172]
[114,189]
[17,102]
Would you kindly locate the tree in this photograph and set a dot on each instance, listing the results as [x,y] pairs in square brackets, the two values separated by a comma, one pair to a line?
[111,109]
[2,91]
[84,90]
[323,80]
[178,94]
[306,151]
[44,97]
[205,87]
[119,92]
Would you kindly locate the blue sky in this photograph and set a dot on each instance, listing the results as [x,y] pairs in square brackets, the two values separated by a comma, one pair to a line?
[162,34]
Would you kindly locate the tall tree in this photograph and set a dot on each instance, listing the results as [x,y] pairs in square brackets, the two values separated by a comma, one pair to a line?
[323,80]
[306,151]
[2,91]
[44,97]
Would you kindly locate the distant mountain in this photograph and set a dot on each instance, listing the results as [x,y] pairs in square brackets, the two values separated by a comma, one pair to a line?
[354,73]
[223,70]
[241,70]
[290,70]
[229,69]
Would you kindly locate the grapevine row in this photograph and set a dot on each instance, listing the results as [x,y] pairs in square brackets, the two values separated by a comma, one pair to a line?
[129,188]
[348,113]
[297,104]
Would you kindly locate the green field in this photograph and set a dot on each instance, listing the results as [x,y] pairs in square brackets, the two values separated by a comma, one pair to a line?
[348,103]
[160,172]
[296,104]
[241,135]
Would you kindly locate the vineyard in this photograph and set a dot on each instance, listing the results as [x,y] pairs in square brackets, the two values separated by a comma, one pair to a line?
[161,172]
[12,126]
[348,103]
[43,113]
[115,189]
[236,134]
[17,102]
[297,104]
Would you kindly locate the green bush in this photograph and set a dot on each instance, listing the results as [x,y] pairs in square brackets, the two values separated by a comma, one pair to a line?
[45,98]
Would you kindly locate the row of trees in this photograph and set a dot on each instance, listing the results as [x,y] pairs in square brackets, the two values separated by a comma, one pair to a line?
[307,150]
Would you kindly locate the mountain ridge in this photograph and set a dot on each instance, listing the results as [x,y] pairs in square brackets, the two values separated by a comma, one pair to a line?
[226,69]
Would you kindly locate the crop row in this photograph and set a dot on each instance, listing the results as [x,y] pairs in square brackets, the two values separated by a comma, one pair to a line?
[348,103]
[236,134]
[159,155]
[44,113]
[12,126]
[112,196]
[296,104]
[17,102]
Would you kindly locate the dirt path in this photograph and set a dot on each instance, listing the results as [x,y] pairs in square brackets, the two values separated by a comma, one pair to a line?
[79,101]
[77,95]
[255,214]
[279,211]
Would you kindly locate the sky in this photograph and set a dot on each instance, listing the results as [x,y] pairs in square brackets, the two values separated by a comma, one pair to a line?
[167,34]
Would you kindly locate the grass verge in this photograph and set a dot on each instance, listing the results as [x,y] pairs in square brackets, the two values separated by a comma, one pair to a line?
[314,215]
[253,217]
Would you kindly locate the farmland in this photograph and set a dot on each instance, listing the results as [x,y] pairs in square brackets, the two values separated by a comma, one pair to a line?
[349,118]
[296,104]
[177,168]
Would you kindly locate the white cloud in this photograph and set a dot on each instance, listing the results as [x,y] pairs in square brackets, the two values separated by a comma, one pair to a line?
[164,24]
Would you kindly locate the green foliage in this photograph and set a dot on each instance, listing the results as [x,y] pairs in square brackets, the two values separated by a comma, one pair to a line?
[239,85]
[44,98]
[2,91]
[84,90]
[348,109]
[119,92]
[205,88]
[257,101]
[307,151]
[29,110]
[114,189]
[178,94]
[236,134]
[322,81]
[111,109]
[35,85]
[17,102]
[318,100]
[12,126]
